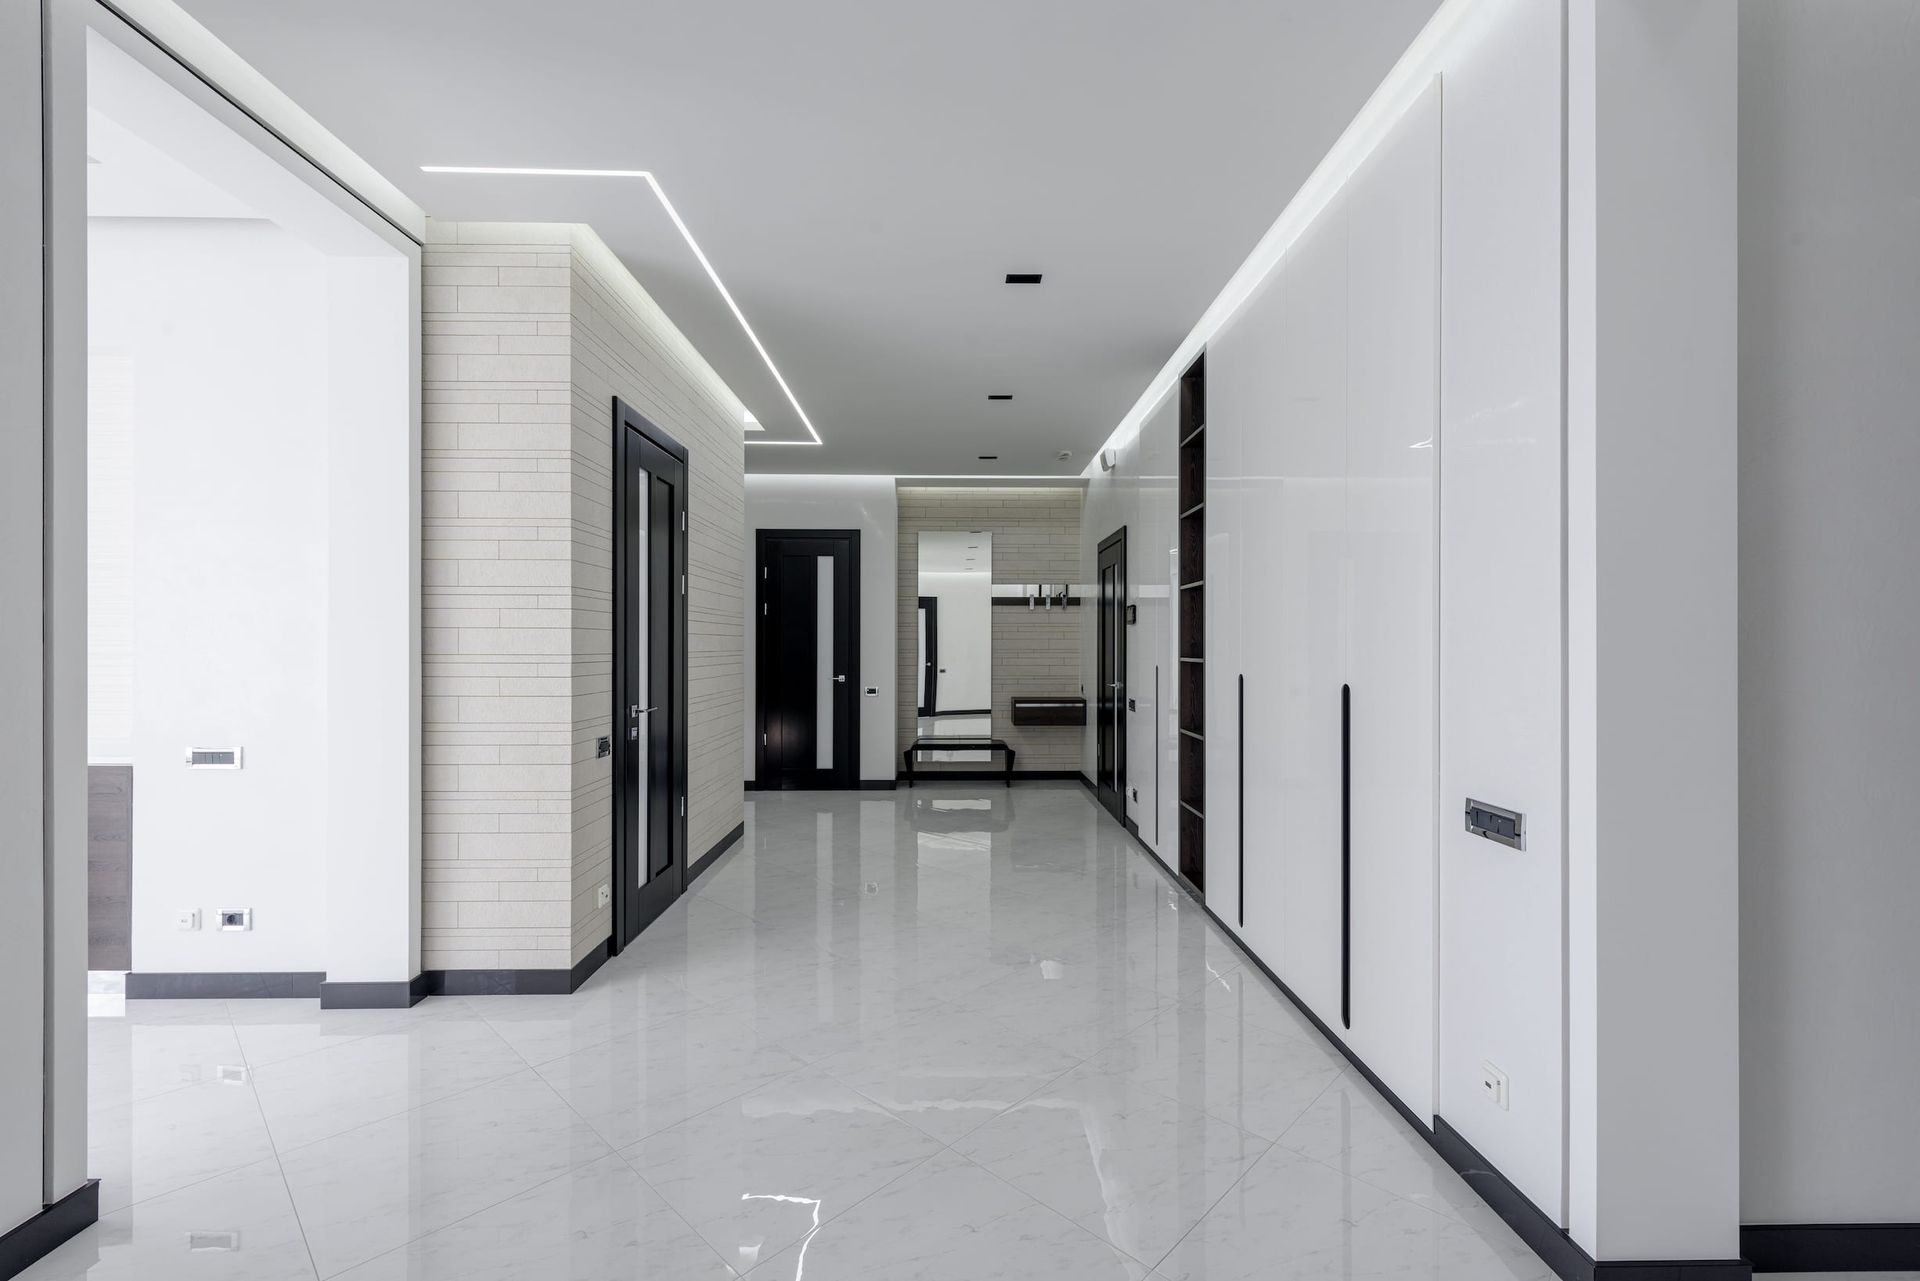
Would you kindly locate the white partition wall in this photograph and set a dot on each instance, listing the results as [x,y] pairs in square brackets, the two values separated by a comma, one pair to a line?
[1387,516]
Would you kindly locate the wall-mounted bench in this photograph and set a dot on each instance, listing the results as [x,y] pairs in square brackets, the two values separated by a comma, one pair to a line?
[957,743]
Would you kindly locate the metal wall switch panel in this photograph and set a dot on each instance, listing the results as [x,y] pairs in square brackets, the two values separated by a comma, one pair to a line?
[1506,826]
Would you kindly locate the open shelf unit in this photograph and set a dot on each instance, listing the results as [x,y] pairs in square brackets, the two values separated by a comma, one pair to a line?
[1192,615]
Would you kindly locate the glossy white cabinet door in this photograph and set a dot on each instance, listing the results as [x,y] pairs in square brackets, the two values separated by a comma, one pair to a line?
[1306,651]
[1245,391]
[1391,212]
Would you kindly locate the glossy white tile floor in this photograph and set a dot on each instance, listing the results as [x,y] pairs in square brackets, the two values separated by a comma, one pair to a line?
[957,1032]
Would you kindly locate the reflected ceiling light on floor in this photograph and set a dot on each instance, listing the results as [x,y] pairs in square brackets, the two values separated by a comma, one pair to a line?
[674,214]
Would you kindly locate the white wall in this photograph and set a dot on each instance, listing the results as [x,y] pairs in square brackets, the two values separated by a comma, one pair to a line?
[269,375]
[1652,650]
[217,331]
[23,899]
[1501,934]
[965,638]
[1829,611]
[868,504]
[1138,495]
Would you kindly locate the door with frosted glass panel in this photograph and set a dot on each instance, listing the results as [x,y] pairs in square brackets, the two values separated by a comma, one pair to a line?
[649,676]
[807,676]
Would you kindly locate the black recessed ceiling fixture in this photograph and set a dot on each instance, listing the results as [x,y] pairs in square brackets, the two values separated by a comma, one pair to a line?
[1023,277]
[986,458]
[999,395]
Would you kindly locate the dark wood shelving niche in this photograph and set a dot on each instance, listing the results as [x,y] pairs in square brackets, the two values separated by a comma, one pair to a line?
[1193,614]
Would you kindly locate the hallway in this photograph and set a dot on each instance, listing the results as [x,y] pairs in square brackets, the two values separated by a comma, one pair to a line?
[949,1032]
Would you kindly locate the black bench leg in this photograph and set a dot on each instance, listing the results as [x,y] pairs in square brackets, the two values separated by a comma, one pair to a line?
[1009,767]
[906,757]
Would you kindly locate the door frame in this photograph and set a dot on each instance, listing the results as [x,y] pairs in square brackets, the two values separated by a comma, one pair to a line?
[846,728]
[629,427]
[1115,799]
[930,678]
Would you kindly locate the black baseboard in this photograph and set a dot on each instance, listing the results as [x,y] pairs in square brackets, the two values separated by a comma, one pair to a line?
[516,982]
[1832,1247]
[752,785]
[925,775]
[878,784]
[48,1230]
[1544,1237]
[720,847]
[397,994]
[152,986]
[959,711]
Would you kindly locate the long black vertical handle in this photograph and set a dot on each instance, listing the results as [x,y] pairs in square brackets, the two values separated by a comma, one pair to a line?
[1346,856]
[1240,791]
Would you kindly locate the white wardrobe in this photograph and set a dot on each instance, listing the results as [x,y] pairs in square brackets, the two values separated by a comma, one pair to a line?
[1322,463]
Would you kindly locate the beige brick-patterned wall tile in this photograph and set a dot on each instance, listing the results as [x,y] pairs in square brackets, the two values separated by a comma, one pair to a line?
[529,330]
[625,346]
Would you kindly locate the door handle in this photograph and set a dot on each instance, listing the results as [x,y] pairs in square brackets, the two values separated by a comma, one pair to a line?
[841,679]
[638,710]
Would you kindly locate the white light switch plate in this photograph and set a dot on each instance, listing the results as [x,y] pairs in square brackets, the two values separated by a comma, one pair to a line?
[187,918]
[1493,1084]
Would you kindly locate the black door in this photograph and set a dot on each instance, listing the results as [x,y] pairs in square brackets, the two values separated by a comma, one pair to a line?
[929,655]
[808,671]
[649,672]
[1110,694]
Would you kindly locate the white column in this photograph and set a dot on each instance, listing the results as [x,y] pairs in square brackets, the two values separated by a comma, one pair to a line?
[372,453]
[22,868]
[1653,999]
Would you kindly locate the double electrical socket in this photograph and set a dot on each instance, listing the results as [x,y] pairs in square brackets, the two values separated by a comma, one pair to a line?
[603,896]
[230,918]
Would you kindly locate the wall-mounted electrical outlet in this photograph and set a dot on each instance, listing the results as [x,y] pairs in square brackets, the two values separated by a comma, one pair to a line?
[187,918]
[603,895]
[236,918]
[1493,1083]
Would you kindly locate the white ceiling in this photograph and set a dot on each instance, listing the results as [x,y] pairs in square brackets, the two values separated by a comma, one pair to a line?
[863,174]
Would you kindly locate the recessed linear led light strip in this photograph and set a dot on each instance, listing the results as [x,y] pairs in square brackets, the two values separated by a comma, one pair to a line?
[660,192]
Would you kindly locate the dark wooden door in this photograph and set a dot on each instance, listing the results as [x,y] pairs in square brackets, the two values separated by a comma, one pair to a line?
[808,670]
[929,655]
[1110,694]
[650,670]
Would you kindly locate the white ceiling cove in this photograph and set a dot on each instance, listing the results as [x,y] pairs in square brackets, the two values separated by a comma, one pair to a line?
[863,174]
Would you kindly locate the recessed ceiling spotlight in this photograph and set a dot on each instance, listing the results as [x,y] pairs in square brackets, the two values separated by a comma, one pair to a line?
[1023,277]
[999,395]
[987,458]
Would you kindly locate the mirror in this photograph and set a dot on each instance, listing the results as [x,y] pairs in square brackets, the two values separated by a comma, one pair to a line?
[955,686]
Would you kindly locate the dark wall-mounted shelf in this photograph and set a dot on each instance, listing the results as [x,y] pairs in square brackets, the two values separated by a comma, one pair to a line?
[1065,710]
[1192,623]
